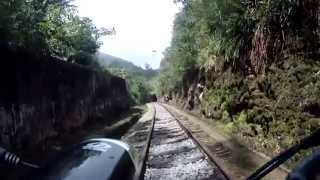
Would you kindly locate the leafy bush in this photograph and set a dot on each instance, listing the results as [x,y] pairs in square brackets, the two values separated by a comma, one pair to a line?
[260,64]
[139,86]
[50,27]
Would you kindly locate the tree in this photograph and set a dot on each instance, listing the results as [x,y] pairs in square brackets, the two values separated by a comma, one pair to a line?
[49,27]
[246,36]
[20,20]
[139,85]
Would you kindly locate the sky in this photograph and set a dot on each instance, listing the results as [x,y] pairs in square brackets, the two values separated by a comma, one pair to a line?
[143,27]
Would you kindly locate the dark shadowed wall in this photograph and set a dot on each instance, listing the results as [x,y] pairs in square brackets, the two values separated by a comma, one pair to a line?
[42,96]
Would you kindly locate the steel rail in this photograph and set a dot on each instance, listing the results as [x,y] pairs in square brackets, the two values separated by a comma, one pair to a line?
[202,147]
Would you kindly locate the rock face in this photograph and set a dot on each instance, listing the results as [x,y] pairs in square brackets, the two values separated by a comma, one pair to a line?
[42,96]
[269,112]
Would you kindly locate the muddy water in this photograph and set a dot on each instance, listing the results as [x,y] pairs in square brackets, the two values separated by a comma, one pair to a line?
[173,155]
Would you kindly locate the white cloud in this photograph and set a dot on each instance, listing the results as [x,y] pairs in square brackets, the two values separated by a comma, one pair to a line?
[141,25]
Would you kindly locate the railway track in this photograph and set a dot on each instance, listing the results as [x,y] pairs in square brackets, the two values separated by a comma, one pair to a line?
[172,145]
[173,153]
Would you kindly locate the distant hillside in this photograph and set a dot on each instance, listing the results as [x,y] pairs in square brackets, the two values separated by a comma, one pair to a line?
[109,61]
[140,81]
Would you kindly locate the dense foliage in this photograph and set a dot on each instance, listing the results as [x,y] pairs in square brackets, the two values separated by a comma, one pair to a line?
[49,27]
[139,81]
[245,35]
[138,85]
[257,63]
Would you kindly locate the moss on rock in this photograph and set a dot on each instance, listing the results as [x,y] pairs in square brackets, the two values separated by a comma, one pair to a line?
[271,111]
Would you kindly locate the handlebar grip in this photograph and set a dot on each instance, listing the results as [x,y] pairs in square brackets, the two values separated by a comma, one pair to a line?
[11,159]
[8,158]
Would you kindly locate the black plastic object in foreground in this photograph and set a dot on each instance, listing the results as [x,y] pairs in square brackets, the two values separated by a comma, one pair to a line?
[308,142]
[95,159]
[308,169]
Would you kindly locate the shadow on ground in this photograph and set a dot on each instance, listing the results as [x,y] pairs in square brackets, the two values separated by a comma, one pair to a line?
[108,127]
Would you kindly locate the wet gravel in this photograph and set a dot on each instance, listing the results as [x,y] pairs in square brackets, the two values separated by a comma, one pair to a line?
[173,155]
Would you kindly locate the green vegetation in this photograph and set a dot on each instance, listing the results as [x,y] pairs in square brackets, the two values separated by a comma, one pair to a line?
[139,81]
[247,36]
[258,62]
[52,27]
[49,27]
